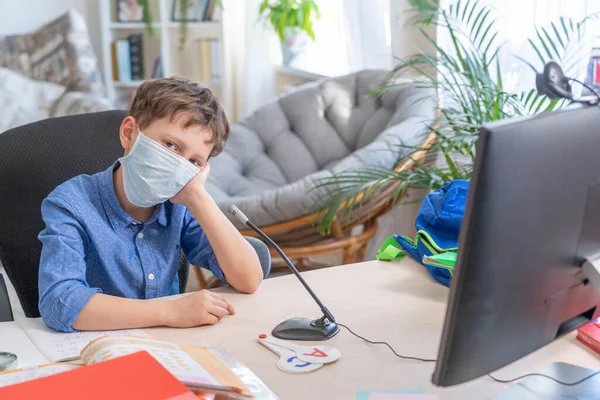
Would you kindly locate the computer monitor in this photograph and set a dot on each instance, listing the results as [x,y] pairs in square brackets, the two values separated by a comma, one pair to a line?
[532,218]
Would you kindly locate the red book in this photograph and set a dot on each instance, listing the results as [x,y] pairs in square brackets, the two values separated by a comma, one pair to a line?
[136,376]
[590,336]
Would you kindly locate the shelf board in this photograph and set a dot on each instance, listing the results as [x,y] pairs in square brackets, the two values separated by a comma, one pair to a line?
[199,24]
[132,25]
[127,84]
[199,29]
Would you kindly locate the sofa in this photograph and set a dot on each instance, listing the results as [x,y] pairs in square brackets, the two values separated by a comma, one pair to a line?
[49,72]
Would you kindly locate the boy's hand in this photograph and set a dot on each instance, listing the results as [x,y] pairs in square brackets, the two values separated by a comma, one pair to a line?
[194,188]
[198,308]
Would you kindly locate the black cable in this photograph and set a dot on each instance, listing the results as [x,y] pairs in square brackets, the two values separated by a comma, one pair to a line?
[495,379]
[586,86]
[546,376]
[387,344]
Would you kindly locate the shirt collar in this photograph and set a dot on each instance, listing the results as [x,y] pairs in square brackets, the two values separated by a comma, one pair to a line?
[116,215]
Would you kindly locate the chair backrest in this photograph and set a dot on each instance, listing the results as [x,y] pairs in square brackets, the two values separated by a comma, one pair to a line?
[34,159]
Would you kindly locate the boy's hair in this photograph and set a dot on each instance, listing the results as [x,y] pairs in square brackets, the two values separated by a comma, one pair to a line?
[169,97]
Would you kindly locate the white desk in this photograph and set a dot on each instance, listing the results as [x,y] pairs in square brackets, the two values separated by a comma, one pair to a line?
[13,339]
[394,302]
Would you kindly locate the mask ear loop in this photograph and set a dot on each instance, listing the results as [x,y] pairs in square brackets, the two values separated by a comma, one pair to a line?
[137,140]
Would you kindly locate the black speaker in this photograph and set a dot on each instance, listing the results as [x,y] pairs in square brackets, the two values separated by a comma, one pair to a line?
[553,83]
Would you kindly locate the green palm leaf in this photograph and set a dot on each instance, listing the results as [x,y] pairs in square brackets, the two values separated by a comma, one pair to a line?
[468,77]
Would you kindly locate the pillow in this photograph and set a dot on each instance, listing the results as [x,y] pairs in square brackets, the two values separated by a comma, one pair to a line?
[25,100]
[72,103]
[59,52]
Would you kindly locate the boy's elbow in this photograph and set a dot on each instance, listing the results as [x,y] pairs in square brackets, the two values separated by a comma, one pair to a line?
[58,307]
[252,281]
[251,284]
[52,322]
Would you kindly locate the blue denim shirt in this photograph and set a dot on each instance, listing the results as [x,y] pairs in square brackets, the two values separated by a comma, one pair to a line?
[91,245]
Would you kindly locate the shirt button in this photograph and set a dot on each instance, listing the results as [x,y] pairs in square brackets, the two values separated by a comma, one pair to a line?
[141,235]
[134,223]
[151,276]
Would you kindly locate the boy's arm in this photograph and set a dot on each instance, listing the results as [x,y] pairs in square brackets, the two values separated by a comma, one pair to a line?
[236,257]
[68,303]
[62,284]
[104,312]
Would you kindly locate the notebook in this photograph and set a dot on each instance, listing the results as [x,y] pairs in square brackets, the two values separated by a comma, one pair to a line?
[55,346]
[134,376]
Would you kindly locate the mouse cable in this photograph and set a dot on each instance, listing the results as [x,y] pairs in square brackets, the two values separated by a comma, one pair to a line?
[547,376]
[495,379]
[388,345]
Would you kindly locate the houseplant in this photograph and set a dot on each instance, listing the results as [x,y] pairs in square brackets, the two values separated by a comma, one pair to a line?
[293,21]
[468,81]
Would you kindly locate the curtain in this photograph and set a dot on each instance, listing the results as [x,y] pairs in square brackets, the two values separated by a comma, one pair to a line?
[350,35]
[251,53]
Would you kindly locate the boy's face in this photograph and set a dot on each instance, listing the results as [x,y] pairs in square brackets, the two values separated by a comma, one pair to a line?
[192,143]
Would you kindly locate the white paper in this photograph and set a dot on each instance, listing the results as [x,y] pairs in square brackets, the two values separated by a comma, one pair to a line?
[33,373]
[14,340]
[56,346]
[177,362]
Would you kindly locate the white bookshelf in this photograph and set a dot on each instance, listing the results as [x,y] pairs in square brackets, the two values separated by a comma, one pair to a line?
[164,42]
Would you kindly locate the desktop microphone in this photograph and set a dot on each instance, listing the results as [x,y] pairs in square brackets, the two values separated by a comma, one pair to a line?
[295,328]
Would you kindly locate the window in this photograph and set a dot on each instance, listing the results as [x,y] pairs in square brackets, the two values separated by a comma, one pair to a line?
[350,35]
[516,22]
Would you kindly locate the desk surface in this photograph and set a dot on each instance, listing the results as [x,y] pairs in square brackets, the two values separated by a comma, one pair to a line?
[394,302]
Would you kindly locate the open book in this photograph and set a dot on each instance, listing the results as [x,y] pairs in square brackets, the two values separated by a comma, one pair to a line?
[207,370]
[194,366]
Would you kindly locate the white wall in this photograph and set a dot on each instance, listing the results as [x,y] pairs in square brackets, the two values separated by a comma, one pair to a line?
[406,39]
[20,16]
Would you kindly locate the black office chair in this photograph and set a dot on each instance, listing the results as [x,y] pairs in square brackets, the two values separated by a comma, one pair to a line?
[34,159]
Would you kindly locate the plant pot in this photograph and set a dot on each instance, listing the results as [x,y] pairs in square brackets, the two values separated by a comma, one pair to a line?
[294,44]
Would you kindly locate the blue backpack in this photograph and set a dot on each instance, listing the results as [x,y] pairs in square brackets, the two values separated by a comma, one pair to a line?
[437,224]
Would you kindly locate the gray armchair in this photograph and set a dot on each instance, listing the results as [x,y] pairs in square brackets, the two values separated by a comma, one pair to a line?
[274,158]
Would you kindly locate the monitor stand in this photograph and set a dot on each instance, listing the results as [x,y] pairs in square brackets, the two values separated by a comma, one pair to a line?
[541,388]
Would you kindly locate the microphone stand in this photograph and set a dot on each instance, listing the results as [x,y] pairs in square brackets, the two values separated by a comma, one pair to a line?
[296,328]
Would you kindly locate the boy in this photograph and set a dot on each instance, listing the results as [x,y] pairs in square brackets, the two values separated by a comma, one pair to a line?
[112,240]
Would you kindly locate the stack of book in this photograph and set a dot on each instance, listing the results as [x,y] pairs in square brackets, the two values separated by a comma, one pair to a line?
[590,335]
[211,67]
[127,59]
[208,10]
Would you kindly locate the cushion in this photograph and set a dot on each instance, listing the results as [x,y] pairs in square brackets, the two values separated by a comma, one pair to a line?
[59,52]
[275,157]
[25,100]
[72,103]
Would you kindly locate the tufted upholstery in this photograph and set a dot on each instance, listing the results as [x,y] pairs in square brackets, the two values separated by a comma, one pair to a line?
[274,157]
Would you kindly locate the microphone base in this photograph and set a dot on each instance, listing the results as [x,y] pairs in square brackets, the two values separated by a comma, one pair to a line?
[306,329]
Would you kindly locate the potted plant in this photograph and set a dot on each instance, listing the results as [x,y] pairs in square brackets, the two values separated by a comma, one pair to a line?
[468,82]
[293,21]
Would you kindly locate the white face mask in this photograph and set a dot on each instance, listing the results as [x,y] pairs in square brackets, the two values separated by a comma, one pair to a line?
[152,174]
